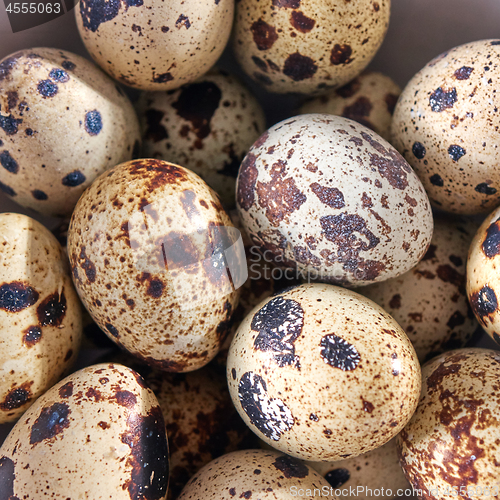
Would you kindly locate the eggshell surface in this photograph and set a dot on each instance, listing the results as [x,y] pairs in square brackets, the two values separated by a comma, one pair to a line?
[307,46]
[483,278]
[40,314]
[62,123]
[153,260]
[446,126]
[266,475]
[327,196]
[451,443]
[369,99]
[206,126]
[429,301]
[153,45]
[97,434]
[322,373]
[378,470]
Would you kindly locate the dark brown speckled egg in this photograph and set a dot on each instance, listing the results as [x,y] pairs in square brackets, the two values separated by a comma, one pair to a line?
[156,262]
[446,126]
[98,434]
[256,474]
[323,374]
[451,446]
[62,123]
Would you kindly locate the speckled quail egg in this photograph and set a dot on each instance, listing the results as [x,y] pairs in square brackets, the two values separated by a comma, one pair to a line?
[450,447]
[483,275]
[322,373]
[329,197]
[157,262]
[429,301]
[259,474]
[97,434]
[153,45]
[376,471]
[308,46]
[40,314]
[446,126]
[369,99]
[206,126]
[62,123]
[202,423]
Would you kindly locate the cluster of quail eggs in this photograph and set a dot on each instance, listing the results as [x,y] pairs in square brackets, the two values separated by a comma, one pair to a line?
[273,287]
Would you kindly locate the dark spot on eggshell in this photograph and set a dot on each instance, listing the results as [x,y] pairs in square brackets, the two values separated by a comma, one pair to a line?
[341,54]
[183,20]
[279,323]
[391,166]
[349,89]
[162,78]
[197,104]
[7,65]
[484,303]
[418,150]
[87,265]
[58,75]
[332,197]
[436,180]
[9,124]
[260,63]
[395,302]
[47,88]
[391,100]
[96,12]
[68,355]
[456,319]
[456,152]
[126,398]
[337,477]
[155,288]
[12,98]
[339,353]
[8,162]
[155,131]
[231,167]
[148,445]
[291,467]
[286,4]
[264,35]
[463,73]
[158,173]
[39,195]
[32,336]
[7,477]
[73,179]
[68,65]
[304,256]
[16,296]
[246,182]
[93,122]
[263,79]
[272,417]
[112,330]
[51,422]
[7,189]
[484,188]
[280,196]
[491,243]
[442,99]
[358,111]
[17,397]
[299,67]
[301,22]
[447,274]
[66,391]
[52,310]
[233,373]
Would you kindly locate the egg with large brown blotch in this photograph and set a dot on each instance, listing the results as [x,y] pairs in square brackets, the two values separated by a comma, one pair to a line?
[157,263]
[323,374]
[259,474]
[483,276]
[450,447]
[206,126]
[99,434]
[201,421]
[446,126]
[155,45]
[308,46]
[40,314]
[429,301]
[62,123]
[331,199]
[369,99]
